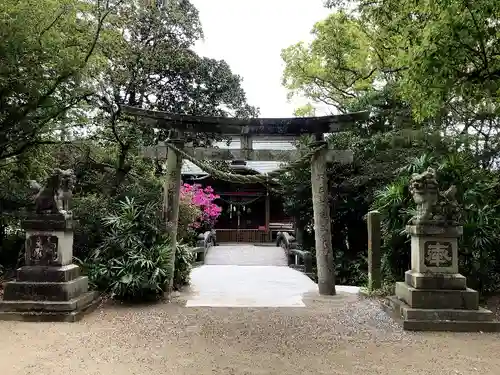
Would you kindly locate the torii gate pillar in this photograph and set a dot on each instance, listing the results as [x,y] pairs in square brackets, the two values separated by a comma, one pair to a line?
[322,223]
[171,199]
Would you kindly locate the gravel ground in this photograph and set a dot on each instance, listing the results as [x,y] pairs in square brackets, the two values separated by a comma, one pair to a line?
[336,335]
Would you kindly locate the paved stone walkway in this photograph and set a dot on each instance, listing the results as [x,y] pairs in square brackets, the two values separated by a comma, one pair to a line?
[250,276]
[246,255]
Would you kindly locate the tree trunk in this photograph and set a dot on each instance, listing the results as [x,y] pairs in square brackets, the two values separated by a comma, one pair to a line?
[122,168]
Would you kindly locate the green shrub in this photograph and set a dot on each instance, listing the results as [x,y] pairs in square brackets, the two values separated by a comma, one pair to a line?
[188,213]
[89,232]
[184,259]
[133,261]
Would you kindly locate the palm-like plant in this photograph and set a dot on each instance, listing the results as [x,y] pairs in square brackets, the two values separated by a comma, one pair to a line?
[133,261]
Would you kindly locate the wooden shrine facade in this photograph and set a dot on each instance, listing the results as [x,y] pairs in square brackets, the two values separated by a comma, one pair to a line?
[251,213]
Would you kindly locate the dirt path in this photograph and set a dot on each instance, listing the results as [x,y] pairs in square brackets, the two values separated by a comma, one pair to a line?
[339,335]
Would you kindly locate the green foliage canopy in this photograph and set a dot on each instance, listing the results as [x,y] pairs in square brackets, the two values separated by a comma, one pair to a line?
[48,53]
[440,54]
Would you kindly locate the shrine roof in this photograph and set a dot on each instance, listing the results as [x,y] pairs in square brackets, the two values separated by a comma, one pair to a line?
[258,143]
[261,167]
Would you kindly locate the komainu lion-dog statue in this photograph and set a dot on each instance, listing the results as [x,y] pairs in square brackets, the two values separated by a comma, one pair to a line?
[55,196]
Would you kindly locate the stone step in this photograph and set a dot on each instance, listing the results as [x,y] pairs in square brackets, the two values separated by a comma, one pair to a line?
[45,291]
[52,316]
[408,313]
[49,306]
[480,315]
[467,299]
[451,326]
[452,320]
[434,281]
[48,274]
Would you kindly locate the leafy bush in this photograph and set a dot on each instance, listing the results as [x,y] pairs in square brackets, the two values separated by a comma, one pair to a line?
[188,213]
[133,262]
[184,259]
[197,212]
[89,232]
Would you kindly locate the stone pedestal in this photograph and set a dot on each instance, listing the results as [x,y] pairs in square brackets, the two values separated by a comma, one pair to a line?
[49,287]
[434,296]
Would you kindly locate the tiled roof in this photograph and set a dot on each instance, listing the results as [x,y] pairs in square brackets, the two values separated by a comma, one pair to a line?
[262,167]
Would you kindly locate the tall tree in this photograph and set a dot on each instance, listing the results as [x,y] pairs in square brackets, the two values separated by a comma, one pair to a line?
[48,52]
[152,66]
[336,67]
[445,54]
[448,51]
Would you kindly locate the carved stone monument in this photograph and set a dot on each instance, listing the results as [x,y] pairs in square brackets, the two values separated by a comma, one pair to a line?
[434,295]
[49,287]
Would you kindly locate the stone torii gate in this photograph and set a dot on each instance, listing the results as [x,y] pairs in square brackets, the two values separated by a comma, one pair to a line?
[174,150]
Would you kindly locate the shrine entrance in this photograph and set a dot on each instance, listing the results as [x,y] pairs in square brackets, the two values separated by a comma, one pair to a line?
[185,131]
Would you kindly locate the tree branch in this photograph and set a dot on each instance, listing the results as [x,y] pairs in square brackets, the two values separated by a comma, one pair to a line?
[58,17]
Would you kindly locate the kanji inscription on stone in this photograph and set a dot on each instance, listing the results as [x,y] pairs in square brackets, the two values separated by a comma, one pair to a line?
[438,254]
[42,249]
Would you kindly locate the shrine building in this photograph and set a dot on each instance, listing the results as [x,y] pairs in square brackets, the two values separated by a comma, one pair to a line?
[250,212]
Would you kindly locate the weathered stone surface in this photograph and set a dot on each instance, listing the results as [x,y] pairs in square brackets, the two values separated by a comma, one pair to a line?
[49,287]
[433,206]
[50,306]
[48,274]
[467,299]
[45,291]
[55,196]
[435,231]
[54,316]
[238,126]
[440,319]
[435,280]
[334,156]
[434,253]
[47,222]
[171,199]
[451,326]
[53,248]
[434,296]
[374,255]
[200,253]
[448,314]
[322,224]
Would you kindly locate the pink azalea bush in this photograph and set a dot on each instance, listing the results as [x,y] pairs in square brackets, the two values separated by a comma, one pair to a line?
[202,198]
